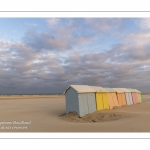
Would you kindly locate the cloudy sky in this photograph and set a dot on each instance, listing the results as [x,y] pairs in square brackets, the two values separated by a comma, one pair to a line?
[46,55]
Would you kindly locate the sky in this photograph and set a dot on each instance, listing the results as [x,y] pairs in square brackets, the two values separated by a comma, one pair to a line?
[46,55]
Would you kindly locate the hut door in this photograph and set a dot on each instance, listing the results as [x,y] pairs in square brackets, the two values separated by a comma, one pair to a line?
[82,111]
[106,100]
[127,98]
[130,97]
[99,101]
[91,102]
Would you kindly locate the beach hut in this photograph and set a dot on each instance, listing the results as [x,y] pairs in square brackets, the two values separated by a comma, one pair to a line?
[134,96]
[128,96]
[112,98]
[120,96]
[101,96]
[80,98]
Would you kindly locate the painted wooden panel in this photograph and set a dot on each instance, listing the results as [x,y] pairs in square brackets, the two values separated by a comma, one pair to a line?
[119,99]
[72,101]
[123,99]
[130,97]
[99,101]
[106,100]
[136,98]
[85,104]
[69,107]
[133,98]
[110,101]
[114,97]
[139,98]
[127,98]
[91,102]
[81,105]
[67,104]
[94,102]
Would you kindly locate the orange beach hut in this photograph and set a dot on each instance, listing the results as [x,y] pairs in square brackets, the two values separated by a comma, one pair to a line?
[120,96]
[112,98]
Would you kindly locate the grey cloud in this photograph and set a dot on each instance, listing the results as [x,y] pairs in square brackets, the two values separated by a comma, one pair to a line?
[33,66]
[45,41]
[105,24]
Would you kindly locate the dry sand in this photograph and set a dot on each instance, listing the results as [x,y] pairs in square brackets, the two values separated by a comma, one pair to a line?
[47,114]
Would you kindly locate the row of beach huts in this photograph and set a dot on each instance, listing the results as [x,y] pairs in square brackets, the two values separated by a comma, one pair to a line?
[84,99]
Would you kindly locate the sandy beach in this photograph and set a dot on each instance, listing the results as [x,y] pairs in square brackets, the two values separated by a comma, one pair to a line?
[47,114]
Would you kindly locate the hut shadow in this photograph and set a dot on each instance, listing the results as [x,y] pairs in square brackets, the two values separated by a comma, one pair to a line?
[62,115]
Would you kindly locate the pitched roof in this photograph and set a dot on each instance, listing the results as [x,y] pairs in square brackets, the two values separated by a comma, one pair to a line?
[81,89]
[118,90]
[99,89]
[110,90]
[125,90]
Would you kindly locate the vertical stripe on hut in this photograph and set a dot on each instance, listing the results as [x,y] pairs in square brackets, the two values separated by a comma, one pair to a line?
[101,98]
[138,96]
[134,96]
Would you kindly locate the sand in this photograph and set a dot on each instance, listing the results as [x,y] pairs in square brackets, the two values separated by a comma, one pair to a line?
[94,117]
[47,114]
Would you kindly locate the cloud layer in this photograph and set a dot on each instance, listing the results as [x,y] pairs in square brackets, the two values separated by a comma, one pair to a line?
[77,51]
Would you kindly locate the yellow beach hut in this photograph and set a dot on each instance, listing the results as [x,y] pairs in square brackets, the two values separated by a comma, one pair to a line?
[101,96]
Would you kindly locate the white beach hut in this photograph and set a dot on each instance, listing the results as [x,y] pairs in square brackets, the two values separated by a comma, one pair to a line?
[80,98]
[128,96]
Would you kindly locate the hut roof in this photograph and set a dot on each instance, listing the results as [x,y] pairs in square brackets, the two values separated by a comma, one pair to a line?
[118,90]
[134,90]
[81,89]
[125,90]
[110,90]
[99,89]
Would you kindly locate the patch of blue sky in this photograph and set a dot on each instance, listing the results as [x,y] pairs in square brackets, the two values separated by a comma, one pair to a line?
[12,28]
[15,28]
[129,25]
